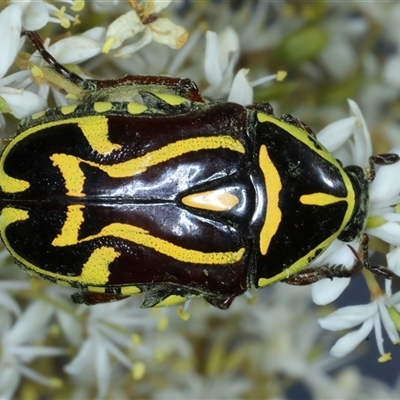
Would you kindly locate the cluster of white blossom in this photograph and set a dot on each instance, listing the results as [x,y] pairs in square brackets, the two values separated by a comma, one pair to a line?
[121,351]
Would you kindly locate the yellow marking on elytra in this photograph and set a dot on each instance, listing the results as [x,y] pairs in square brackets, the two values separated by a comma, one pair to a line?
[319,199]
[95,130]
[273,185]
[8,216]
[171,301]
[65,110]
[95,271]
[72,173]
[136,108]
[74,178]
[9,184]
[213,200]
[96,289]
[102,106]
[69,236]
[70,230]
[38,115]
[129,290]
[171,99]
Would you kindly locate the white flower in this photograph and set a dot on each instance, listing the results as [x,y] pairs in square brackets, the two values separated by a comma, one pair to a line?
[28,15]
[109,338]
[161,30]
[16,347]
[6,300]
[371,316]
[23,98]
[222,53]
[18,101]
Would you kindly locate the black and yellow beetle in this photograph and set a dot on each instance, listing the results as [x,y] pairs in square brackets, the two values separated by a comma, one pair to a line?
[170,196]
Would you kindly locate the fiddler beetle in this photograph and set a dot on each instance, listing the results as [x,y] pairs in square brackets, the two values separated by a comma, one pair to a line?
[143,187]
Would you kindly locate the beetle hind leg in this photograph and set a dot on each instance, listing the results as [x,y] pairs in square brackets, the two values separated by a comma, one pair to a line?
[312,275]
[166,295]
[92,298]
[315,274]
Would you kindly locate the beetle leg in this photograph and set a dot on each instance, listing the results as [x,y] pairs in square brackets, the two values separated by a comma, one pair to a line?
[262,107]
[182,86]
[91,298]
[381,159]
[312,275]
[166,295]
[222,303]
[290,119]
[378,270]
[315,274]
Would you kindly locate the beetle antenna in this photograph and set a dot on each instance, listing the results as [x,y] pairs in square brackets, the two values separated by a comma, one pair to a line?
[60,69]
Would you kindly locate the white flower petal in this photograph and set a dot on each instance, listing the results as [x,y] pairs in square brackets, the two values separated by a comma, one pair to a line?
[335,134]
[386,183]
[97,34]
[10,32]
[378,334]
[348,317]
[74,49]
[31,322]
[326,291]
[166,32]
[35,376]
[394,300]
[22,102]
[389,232]
[103,367]
[388,322]
[393,260]
[28,353]
[124,27]
[81,360]
[9,376]
[228,44]
[350,341]
[16,76]
[117,353]
[241,91]
[71,327]
[158,5]
[391,70]
[35,16]
[362,137]
[127,51]
[9,304]
[212,66]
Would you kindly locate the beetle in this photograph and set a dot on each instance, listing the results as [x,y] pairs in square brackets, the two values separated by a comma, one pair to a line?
[143,187]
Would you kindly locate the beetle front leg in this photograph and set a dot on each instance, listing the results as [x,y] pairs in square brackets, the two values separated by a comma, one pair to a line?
[290,119]
[381,159]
